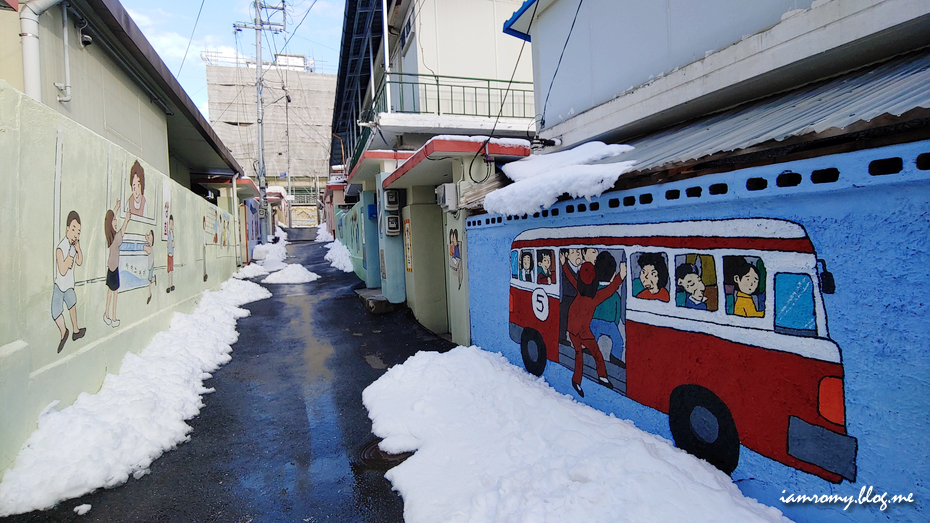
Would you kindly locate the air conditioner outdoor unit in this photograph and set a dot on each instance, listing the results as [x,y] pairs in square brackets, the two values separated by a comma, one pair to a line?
[447,197]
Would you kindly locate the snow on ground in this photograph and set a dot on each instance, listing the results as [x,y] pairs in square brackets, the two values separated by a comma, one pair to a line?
[80,510]
[323,234]
[271,255]
[104,438]
[338,256]
[293,273]
[540,179]
[495,444]
[252,270]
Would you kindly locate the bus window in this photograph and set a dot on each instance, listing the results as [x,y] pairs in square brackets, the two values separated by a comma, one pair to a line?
[527,271]
[514,264]
[744,284]
[651,272]
[546,269]
[696,282]
[794,305]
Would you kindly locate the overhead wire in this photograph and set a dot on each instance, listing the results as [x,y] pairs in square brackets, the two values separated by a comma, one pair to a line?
[191,39]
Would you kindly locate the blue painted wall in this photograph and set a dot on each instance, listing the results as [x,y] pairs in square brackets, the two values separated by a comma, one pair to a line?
[874,234]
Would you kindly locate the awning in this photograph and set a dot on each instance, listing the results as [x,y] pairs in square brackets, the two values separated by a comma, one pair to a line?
[369,164]
[432,163]
[9,5]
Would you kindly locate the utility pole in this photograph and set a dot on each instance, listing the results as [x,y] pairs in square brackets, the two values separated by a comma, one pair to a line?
[260,25]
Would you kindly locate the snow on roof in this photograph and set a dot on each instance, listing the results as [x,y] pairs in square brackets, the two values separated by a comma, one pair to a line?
[540,179]
[480,139]
[276,188]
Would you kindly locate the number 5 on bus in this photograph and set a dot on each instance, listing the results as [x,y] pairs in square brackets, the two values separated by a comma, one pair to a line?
[719,323]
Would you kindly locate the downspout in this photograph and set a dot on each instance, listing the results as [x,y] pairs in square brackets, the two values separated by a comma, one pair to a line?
[29,33]
[66,88]
[235,204]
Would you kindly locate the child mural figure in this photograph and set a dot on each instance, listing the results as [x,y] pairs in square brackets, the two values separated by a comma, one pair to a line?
[67,255]
[689,279]
[149,249]
[455,255]
[170,254]
[114,240]
[747,282]
[653,276]
[137,182]
[580,314]
[608,315]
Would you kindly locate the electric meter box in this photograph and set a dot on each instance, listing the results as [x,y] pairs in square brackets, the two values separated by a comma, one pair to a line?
[393,225]
[391,199]
[447,197]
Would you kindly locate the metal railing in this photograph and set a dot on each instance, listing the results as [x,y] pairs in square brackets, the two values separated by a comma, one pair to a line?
[454,95]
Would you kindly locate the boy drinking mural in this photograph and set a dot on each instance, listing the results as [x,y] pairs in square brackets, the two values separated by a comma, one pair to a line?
[67,254]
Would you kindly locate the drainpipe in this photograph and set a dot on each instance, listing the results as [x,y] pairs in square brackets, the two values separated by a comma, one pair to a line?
[29,33]
[66,87]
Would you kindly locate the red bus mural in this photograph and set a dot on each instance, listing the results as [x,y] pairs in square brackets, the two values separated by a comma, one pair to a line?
[718,323]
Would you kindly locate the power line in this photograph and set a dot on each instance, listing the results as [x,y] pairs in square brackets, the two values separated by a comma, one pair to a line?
[298,24]
[191,39]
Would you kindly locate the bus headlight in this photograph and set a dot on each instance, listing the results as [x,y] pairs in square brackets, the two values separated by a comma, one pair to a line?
[831,404]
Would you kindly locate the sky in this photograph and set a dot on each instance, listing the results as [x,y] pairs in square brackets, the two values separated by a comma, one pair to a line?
[168,26]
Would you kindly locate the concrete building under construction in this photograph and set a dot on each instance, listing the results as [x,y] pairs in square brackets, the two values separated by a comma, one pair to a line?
[298,109]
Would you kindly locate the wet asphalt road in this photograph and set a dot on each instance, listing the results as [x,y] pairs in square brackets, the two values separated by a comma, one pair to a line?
[279,440]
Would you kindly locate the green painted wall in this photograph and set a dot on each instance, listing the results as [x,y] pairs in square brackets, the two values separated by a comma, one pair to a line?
[425,279]
[455,265]
[53,166]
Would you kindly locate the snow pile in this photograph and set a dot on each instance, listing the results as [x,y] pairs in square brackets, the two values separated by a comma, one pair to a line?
[103,439]
[495,444]
[271,255]
[252,270]
[338,256]
[322,233]
[80,510]
[539,180]
[293,273]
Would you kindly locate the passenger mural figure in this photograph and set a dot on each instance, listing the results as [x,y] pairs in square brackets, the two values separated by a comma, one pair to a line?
[580,314]
[455,255]
[137,182]
[67,254]
[608,315]
[526,267]
[746,279]
[170,254]
[689,281]
[653,276]
[114,240]
[544,274]
[149,249]
[568,291]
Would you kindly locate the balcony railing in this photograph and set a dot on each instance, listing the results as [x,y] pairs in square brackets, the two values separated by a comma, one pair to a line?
[454,95]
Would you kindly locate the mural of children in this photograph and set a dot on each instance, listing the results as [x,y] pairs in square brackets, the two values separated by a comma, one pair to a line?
[653,276]
[526,267]
[114,240]
[581,313]
[137,182]
[67,254]
[170,254]
[455,255]
[747,283]
[544,273]
[608,315]
[149,249]
[689,280]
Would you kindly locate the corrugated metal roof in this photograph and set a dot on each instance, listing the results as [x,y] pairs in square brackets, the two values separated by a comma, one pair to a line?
[893,87]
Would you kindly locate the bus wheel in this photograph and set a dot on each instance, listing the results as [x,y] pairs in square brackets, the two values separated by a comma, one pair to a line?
[702,425]
[534,352]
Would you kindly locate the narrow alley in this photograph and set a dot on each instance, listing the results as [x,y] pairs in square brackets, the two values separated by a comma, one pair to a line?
[280,438]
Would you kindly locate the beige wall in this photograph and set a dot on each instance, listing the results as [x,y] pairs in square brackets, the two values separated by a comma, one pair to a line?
[104,98]
[88,175]
[11,52]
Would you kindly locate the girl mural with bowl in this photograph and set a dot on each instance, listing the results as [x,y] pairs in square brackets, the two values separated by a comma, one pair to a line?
[114,240]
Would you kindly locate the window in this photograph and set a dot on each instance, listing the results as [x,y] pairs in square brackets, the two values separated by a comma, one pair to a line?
[545,267]
[744,285]
[794,305]
[514,265]
[526,272]
[696,282]
[650,273]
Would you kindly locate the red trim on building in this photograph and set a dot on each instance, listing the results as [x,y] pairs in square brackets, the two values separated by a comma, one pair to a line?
[14,4]
[454,146]
[378,155]
[681,242]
